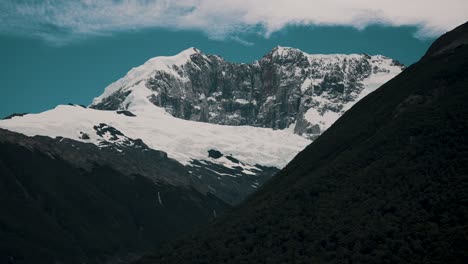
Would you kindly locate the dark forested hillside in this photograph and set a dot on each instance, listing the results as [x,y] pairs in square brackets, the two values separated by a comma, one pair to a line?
[387,183]
[54,212]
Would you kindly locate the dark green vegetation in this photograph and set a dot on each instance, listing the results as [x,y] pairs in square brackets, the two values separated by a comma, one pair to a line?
[387,183]
[54,212]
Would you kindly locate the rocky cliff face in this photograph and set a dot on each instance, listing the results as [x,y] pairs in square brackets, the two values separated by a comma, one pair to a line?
[286,89]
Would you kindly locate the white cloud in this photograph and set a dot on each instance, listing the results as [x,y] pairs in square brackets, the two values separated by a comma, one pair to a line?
[61,19]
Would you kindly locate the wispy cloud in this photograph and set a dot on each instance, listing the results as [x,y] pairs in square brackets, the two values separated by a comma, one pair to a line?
[62,20]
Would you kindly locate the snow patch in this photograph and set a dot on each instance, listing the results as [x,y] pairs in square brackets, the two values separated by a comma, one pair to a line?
[241,101]
[324,120]
[306,84]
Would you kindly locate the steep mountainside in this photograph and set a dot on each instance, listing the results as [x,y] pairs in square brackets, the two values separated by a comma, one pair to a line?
[387,183]
[287,88]
[56,212]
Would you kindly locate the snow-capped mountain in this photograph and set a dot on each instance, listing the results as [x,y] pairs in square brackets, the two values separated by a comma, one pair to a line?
[286,89]
[229,126]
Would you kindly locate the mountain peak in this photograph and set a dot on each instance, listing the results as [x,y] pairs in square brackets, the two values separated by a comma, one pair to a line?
[282,51]
[137,74]
[178,59]
[195,86]
[190,51]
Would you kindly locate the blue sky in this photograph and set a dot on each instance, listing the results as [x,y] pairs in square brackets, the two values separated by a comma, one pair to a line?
[56,52]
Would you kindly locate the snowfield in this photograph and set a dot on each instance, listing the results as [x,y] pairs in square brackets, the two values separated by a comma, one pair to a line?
[182,140]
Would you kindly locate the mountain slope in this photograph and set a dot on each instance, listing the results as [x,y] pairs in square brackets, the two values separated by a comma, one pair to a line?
[387,183]
[55,212]
[249,155]
[287,88]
